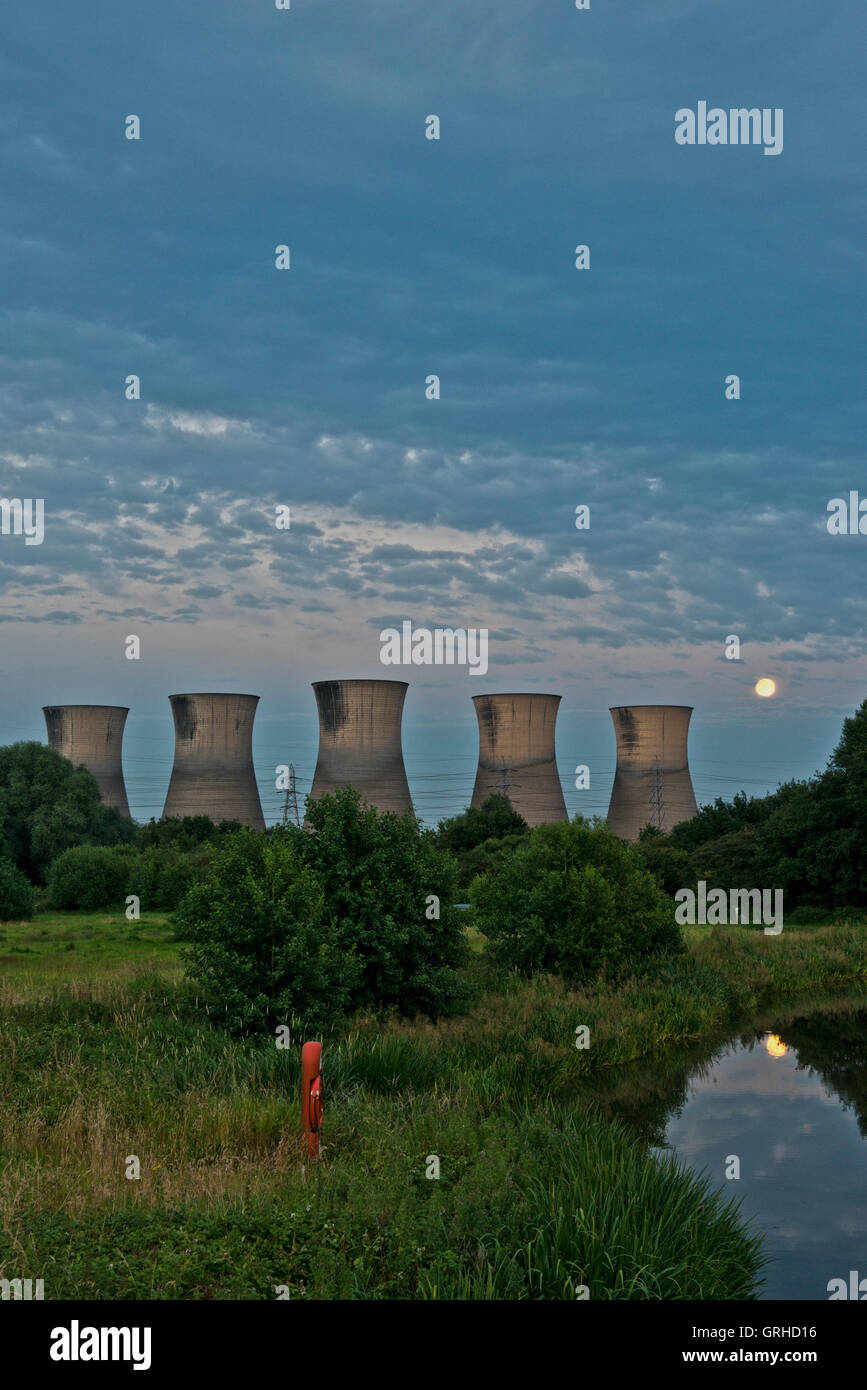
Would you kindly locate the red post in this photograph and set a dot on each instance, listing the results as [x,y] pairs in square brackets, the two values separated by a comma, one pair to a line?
[311,1096]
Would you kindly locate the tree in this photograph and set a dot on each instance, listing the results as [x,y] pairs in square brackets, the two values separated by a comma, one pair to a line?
[160,875]
[86,878]
[16,895]
[573,900]
[381,876]
[185,833]
[493,820]
[320,922]
[47,806]
[669,865]
[720,818]
[479,835]
[262,940]
[808,838]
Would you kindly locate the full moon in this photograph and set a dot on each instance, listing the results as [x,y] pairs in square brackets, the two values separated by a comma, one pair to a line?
[766,687]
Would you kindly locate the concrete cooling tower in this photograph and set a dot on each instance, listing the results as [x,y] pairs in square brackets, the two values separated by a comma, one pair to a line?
[359,741]
[652,785]
[92,735]
[213,768]
[516,755]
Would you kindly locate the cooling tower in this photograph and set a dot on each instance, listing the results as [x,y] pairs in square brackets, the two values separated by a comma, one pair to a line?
[359,741]
[213,773]
[516,755]
[92,735]
[652,783]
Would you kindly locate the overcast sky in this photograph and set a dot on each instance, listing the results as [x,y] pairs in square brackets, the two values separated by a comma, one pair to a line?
[410,256]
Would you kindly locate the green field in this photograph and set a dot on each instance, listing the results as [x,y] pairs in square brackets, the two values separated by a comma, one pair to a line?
[106,1053]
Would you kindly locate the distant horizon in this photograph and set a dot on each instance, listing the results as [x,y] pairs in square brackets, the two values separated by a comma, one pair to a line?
[441,757]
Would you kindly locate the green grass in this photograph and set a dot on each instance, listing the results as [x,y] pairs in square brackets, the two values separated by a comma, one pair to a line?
[105,1053]
[527,1205]
[84,947]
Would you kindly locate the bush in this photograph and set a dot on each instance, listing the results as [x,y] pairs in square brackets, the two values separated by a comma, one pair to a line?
[185,833]
[484,858]
[89,877]
[573,900]
[324,921]
[47,806]
[260,939]
[493,820]
[669,865]
[16,894]
[160,876]
[478,835]
[378,873]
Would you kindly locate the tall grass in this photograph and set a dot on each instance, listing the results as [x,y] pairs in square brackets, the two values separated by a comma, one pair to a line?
[537,1195]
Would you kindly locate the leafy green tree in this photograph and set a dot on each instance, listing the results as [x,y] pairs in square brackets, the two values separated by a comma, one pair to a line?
[89,877]
[317,923]
[484,858]
[735,860]
[262,939]
[16,894]
[47,806]
[185,833]
[480,835]
[720,818]
[493,820]
[573,900]
[807,837]
[379,873]
[669,865]
[160,875]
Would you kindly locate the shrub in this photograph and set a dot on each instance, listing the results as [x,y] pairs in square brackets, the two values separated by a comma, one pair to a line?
[670,866]
[493,820]
[47,806]
[321,922]
[260,940]
[161,875]
[89,877]
[483,858]
[573,900]
[16,894]
[378,873]
[185,833]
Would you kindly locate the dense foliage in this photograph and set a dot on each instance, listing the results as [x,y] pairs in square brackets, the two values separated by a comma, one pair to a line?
[16,894]
[185,833]
[807,838]
[259,939]
[480,836]
[88,877]
[47,806]
[492,820]
[316,923]
[160,875]
[573,900]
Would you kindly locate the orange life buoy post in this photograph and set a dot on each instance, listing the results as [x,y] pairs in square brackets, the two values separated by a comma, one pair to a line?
[311,1096]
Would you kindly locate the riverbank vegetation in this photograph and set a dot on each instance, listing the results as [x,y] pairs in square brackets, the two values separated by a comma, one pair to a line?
[539,1195]
[154,1004]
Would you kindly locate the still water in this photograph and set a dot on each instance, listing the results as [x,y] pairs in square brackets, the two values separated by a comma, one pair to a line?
[790,1102]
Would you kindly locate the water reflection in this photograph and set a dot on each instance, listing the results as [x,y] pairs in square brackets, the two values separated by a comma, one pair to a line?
[789,1102]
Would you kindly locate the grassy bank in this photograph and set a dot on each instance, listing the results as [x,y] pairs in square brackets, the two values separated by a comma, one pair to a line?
[104,1054]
